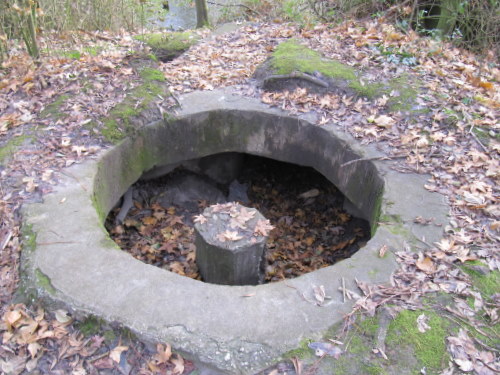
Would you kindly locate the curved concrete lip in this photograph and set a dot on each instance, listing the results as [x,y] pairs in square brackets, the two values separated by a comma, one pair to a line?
[73,261]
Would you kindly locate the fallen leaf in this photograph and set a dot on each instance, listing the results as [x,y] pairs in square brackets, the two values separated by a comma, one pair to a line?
[422,323]
[178,362]
[229,236]
[115,354]
[62,316]
[426,264]
[163,353]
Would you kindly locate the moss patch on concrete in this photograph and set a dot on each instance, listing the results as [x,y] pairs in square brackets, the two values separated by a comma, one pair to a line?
[173,41]
[166,46]
[429,347]
[119,123]
[302,352]
[8,149]
[291,56]
[44,282]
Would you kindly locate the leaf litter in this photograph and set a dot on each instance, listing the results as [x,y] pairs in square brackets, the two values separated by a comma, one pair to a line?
[455,141]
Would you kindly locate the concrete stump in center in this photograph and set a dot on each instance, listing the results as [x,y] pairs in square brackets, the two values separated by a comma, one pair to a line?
[230,244]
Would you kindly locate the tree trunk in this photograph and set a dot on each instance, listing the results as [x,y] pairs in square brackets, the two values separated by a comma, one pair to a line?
[448,16]
[201,13]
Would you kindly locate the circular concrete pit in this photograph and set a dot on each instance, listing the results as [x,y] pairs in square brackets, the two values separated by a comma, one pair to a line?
[234,329]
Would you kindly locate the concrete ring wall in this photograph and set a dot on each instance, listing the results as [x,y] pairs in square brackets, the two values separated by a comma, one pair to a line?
[72,260]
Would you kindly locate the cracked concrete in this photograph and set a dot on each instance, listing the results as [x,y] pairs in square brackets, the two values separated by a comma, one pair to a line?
[215,324]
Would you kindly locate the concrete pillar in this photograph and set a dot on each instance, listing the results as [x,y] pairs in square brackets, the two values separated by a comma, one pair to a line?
[230,244]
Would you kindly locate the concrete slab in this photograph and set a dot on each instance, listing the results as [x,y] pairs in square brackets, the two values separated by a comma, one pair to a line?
[74,262]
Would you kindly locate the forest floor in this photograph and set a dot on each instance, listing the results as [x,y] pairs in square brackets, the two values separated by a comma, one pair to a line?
[51,116]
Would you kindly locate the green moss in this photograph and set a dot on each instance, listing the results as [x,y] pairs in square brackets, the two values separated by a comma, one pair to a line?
[109,336]
[119,123]
[488,284]
[302,352]
[407,91]
[43,281]
[150,74]
[377,209]
[371,369]
[90,326]
[9,149]
[429,347]
[484,136]
[53,110]
[291,56]
[174,41]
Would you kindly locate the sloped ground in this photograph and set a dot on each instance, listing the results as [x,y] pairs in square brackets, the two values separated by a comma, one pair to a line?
[444,298]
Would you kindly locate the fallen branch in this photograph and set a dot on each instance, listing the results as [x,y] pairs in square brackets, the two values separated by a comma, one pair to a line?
[374,158]
[126,206]
[485,149]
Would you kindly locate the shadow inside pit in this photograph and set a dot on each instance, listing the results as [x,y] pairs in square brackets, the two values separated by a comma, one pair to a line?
[312,230]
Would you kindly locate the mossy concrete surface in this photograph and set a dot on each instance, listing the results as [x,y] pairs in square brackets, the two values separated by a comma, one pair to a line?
[291,57]
[125,118]
[214,324]
[169,45]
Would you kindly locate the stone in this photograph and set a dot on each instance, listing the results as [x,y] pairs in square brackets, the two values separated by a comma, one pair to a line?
[70,260]
[187,190]
[222,168]
[230,244]
[238,192]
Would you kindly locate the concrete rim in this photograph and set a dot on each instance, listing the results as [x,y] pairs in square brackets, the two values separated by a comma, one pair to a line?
[74,262]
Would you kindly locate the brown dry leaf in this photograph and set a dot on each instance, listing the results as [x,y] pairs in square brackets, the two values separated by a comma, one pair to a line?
[383,251]
[178,362]
[164,353]
[422,325]
[11,318]
[150,220]
[425,264]
[229,235]
[115,354]
[263,227]
[382,121]
[62,316]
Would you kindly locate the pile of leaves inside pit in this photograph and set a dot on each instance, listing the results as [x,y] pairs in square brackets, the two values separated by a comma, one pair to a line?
[311,228]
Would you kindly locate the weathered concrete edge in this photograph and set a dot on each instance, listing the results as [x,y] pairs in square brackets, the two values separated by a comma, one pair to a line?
[213,349]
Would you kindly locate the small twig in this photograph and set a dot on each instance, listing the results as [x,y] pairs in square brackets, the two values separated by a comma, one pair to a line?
[66,173]
[343,290]
[95,358]
[102,37]
[6,240]
[487,365]
[477,140]
[374,158]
